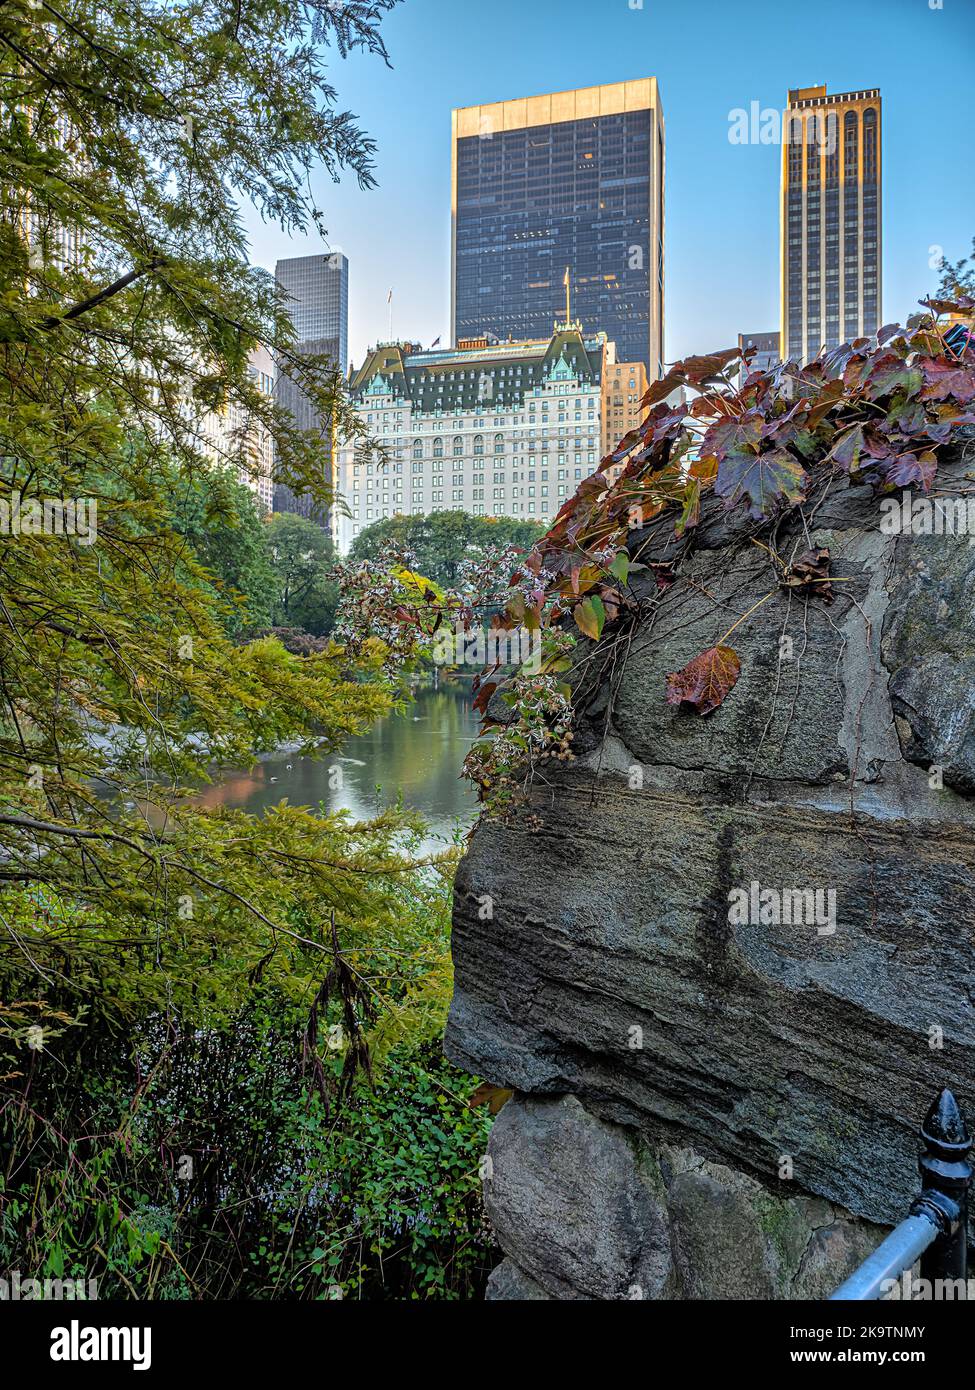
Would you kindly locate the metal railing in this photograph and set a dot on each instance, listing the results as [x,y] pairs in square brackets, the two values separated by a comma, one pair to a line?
[936,1228]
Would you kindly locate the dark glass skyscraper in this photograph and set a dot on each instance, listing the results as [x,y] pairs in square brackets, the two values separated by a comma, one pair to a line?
[576,180]
[318,288]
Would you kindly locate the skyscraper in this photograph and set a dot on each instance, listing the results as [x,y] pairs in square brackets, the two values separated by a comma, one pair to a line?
[831,223]
[318,290]
[766,347]
[574,179]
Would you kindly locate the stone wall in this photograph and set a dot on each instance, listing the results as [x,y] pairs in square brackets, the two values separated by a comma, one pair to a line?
[705,1108]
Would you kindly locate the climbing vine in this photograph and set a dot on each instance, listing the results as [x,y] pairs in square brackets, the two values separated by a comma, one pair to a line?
[878,410]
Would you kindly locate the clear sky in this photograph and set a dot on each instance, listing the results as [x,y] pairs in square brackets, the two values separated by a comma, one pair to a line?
[709,57]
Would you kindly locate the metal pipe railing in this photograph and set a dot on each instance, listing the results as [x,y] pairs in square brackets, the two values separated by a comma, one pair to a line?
[936,1230]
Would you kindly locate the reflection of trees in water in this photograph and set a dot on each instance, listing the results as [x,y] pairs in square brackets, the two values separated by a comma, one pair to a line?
[418,753]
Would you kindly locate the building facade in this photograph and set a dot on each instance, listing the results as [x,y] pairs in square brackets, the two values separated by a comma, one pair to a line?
[624,386]
[231,438]
[318,292]
[831,245]
[766,347]
[572,180]
[506,429]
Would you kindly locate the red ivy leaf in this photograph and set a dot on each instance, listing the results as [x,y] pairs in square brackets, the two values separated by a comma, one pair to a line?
[767,480]
[704,682]
[911,468]
[848,448]
[891,373]
[483,697]
[943,379]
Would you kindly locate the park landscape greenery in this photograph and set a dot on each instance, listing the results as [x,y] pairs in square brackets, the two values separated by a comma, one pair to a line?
[219,1067]
[220,1072]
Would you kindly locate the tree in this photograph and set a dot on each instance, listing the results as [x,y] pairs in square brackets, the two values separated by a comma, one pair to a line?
[958,279]
[441,542]
[127,315]
[218,518]
[302,557]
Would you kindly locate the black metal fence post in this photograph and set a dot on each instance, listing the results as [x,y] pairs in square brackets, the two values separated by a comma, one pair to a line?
[945,1177]
[936,1228]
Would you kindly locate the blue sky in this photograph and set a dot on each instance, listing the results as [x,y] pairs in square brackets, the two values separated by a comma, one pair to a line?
[709,57]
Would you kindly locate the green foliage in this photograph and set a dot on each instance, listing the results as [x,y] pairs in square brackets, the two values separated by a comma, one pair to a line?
[302,558]
[166,1160]
[172,975]
[441,543]
[957,279]
[218,517]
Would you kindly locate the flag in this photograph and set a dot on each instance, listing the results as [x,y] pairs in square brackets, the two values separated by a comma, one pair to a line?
[565,282]
[435,343]
[389,297]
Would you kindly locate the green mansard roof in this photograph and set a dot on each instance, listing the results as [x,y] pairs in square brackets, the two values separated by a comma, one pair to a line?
[415,376]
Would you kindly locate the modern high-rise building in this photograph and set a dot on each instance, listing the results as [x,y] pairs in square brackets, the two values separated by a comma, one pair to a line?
[318,291]
[831,219]
[766,347]
[574,180]
[495,429]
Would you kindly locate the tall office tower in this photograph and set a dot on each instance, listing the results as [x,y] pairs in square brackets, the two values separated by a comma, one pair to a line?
[576,180]
[766,347]
[318,290]
[831,233]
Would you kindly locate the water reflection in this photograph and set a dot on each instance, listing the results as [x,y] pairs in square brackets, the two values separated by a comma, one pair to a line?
[417,754]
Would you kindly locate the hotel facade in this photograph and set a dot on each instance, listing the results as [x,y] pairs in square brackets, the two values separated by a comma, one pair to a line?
[831,244]
[503,429]
[572,180]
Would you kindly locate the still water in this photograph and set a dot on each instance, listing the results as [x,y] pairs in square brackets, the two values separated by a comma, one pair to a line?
[417,754]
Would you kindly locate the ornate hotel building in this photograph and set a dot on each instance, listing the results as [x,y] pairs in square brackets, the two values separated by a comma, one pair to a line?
[830,219]
[574,179]
[496,429]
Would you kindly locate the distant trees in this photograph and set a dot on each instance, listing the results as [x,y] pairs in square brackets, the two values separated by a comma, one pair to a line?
[957,279]
[441,541]
[301,557]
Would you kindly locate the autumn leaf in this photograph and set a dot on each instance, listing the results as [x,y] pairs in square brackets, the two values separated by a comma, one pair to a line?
[943,379]
[767,480]
[733,436]
[912,468]
[891,373]
[704,682]
[483,697]
[620,568]
[590,615]
[494,1097]
[810,573]
[848,448]
[962,305]
[691,511]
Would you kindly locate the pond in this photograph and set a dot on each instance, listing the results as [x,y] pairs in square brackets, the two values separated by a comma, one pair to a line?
[417,754]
